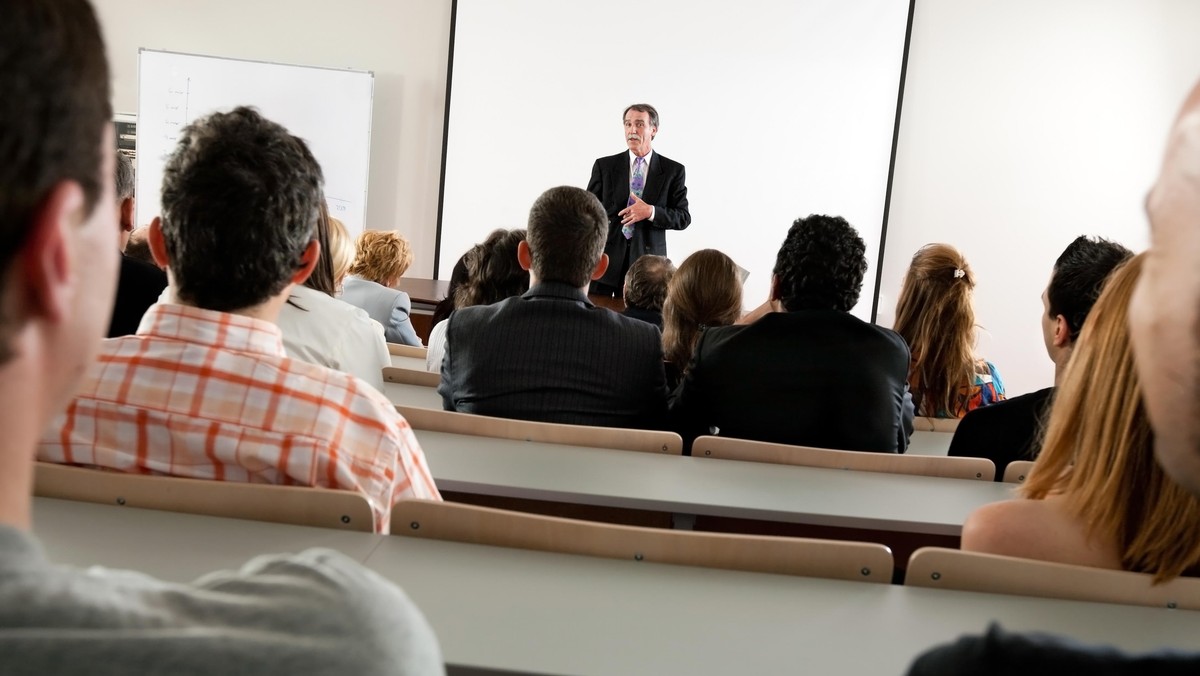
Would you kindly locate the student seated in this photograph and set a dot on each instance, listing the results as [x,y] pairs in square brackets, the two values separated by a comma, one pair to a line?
[381,259]
[140,283]
[1095,495]
[205,388]
[645,288]
[313,612]
[812,375]
[550,355]
[936,318]
[706,291]
[1011,430]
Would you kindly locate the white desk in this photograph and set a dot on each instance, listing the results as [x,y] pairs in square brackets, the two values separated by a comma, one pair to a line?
[530,611]
[696,486]
[929,443]
[418,396]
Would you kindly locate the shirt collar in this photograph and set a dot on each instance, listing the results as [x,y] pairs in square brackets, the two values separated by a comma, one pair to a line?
[633,158]
[213,329]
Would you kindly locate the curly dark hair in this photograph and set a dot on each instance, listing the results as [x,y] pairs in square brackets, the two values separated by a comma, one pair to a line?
[1079,275]
[820,265]
[240,202]
[493,271]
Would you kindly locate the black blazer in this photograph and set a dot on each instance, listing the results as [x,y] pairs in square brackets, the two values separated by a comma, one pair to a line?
[139,287]
[809,378]
[1004,431]
[552,356]
[666,190]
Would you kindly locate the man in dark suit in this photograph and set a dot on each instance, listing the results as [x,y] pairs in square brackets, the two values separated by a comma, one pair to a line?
[644,194]
[646,288]
[140,283]
[1010,430]
[808,373]
[551,355]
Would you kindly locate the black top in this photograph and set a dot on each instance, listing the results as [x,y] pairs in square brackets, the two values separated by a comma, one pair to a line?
[138,288]
[1005,431]
[652,316]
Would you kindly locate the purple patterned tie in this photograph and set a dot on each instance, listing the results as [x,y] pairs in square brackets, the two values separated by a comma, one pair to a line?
[635,186]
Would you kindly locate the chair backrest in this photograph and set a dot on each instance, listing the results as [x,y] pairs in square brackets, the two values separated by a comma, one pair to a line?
[616,438]
[994,574]
[407,351]
[727,448]
[1016,471]
[924,424]
[300,505]
[392,374]
[758,553]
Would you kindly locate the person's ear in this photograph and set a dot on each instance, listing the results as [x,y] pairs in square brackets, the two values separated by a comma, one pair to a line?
[524,255]
[601,267]
[775,294]
[127,211]
[157,244]
[1062,332]
[308,261]
[46,254]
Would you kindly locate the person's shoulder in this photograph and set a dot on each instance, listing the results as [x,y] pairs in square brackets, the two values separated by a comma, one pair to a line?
[325,592]
[1009,527]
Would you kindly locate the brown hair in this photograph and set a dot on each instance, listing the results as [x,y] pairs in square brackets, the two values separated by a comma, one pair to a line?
[341,250]
[935,317]
[493,271]
[646,282]
[705,291]
[1098,453]
[381,256]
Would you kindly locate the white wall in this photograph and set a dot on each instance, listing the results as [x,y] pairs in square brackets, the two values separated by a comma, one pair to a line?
[1025,123]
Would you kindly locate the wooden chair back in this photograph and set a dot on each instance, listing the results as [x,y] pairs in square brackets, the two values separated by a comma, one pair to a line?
[617,438]
[924,424]
[1016,471]
[456,522]
[727,448]
[407,351]
[299,505]
[392,374]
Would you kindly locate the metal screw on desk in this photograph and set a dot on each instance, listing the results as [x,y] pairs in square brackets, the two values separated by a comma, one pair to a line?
[415,525]
[936,576]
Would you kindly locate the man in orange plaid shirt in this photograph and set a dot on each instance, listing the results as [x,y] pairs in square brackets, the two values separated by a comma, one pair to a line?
[205,389]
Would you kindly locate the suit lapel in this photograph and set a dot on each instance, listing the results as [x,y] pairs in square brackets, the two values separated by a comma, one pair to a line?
[654,180]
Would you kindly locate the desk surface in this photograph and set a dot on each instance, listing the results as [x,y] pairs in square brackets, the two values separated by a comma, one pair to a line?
[424,291]
[531,611]
[418,396]
[680,485]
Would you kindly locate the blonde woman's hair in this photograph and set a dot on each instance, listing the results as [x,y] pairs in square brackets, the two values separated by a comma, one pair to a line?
[341,250]
[706,290]
[381,256]
[935,317]
[1098,452]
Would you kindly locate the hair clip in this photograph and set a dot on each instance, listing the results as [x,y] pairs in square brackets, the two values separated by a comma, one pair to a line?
[959,272]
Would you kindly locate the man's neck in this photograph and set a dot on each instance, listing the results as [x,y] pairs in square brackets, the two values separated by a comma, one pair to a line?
[26,405]
[534,281]
[1060,364]
[267,311]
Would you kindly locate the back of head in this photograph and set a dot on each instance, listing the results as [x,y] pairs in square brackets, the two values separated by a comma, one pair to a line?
[1098,449]
[125,178]
[706,290]
[493,271]
[381,256]
[936,318]
[341,250]
[54,109]
[240,203]
[321,278]
[1079,275]
[646,282]
[820,265]
[567,229]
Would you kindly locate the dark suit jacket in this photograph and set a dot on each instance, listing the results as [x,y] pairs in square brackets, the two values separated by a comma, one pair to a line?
[665,189]
[1005,431]
[138,287]
[809,378]
[552,356]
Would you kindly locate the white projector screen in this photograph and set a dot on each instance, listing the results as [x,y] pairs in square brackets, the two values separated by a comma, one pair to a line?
[777,109]
[329,108]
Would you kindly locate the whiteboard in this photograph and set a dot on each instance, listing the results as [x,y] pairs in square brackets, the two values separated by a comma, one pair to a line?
[327,107]
[778,109]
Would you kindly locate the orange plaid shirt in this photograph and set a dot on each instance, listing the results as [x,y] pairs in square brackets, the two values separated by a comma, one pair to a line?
[213,395]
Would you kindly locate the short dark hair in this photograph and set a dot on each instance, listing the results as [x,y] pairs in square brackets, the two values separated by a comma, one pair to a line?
[124,178]
[1079,275]
[646,282]
[240,202]
[643,108]
[493,270]
[54,105]
[821,265]
[567,230]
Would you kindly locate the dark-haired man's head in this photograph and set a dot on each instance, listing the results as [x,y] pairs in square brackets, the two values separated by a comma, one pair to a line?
[646,282]
[820,265]
[57,212]
[1079,275]
[124,194]
[240,203]
[565,242]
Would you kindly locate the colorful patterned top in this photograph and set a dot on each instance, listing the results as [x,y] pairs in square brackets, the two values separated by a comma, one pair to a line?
[986,388]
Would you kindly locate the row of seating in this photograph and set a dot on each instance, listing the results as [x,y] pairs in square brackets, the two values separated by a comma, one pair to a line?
[857,561]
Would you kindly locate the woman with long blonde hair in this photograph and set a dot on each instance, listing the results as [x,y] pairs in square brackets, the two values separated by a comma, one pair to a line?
[1096,496]
[936,317]
[706,290]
